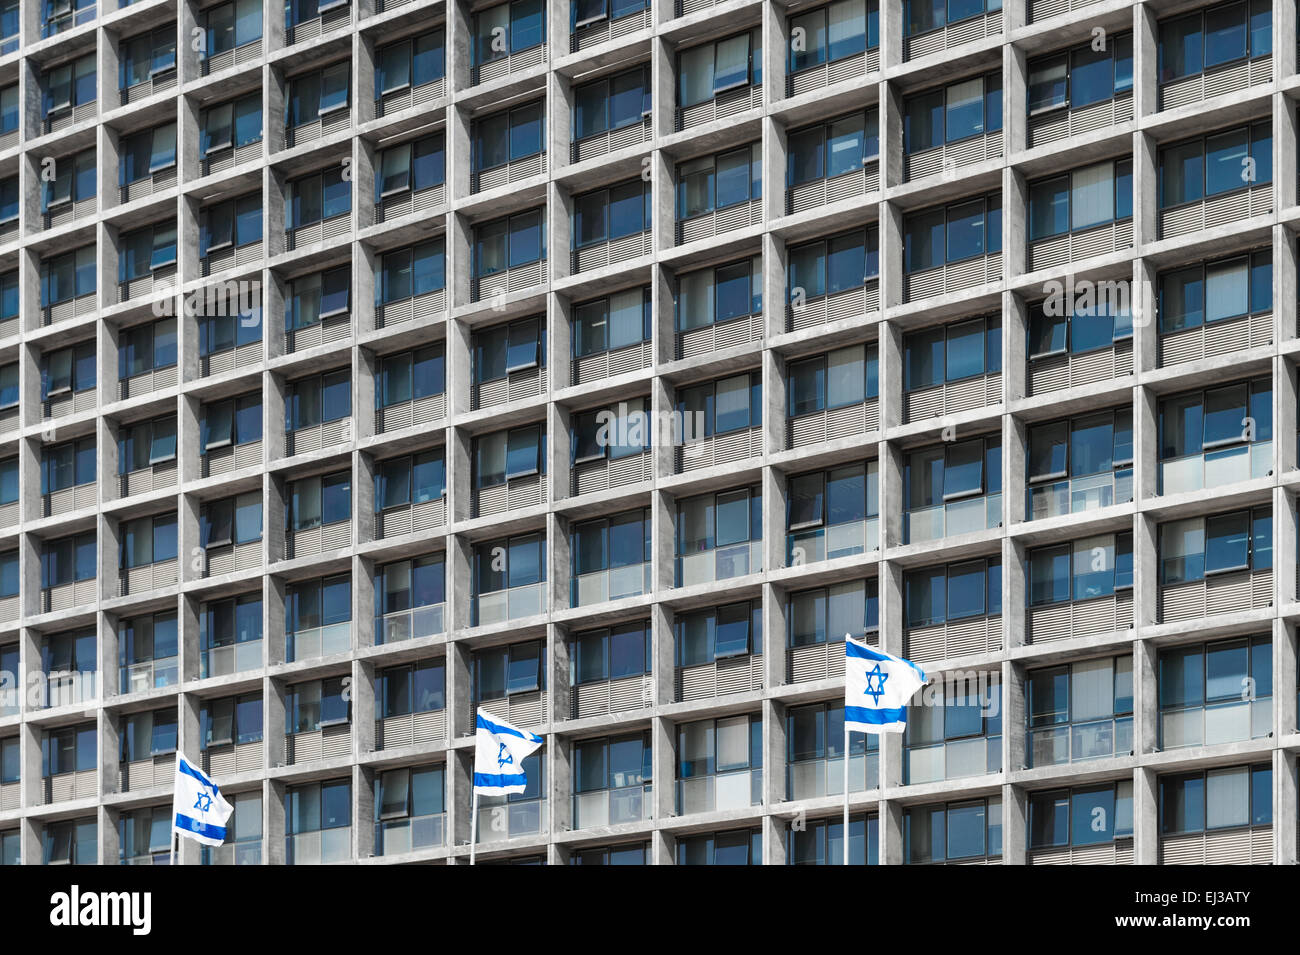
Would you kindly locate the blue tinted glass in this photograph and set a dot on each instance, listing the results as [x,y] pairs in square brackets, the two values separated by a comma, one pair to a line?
[966,231]
[526,25]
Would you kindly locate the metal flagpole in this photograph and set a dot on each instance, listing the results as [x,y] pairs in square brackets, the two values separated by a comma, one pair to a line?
[171,850]
[473,837]
[846,791]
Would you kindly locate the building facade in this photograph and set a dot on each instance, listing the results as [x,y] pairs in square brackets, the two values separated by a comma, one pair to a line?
[602,363]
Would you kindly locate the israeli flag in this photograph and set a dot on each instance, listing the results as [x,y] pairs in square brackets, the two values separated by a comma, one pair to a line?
[877,687]
[199,811]
[499,753]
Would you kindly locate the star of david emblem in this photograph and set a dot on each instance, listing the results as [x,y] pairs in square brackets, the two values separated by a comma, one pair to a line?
[503,757]
[875,689]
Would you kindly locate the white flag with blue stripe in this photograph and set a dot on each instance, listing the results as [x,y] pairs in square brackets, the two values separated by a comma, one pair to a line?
[199,810]
[499,753]
[877,687]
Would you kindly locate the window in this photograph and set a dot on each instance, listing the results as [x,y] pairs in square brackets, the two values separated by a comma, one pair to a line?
[146,348]
[505,455]
[68,85]
[69,750]
[407,273]
[830,266]
[1218,422]
[1086,816]
[411,376]
[71,464]
[953,592]
[301,11]
[68,560]
[147,540]
[234,124]
[1054,331]
[1081,76]
[414,590]
[412,688]
[832,32]
[502,671]
[232,25]
[729,631]
[146,56]
[921,16]
[236,324]
[145,153]
[317,94]
[509,243]
[720,407]
[620,320]
[405,801]
[961,470]
[71,843]
[233,520]
[146,250]
[821,842]
[402,482]
[509,28]
[1213,37]
[231,422]
[714,296]
[959,830]
[236,222]
[846,376]
[312,706]
[411,167]
[146,735]
[69,276]
[319,822]
[585,12]
[615,855]
[66,371]
[825,511]
[1216,692]
[959,232]
[952,352]
[151,641]
[1084,446]
[318,400]
[9,108]
[410,63]
[235,720]
[9,474]
[74,181]
[1087,197]
[1216,799]
[1199,547]
[611,433]
[611,779]
[508,136]
[742,847]
[74,652]
[316,297]
[972,107]
[613,654]
[614,213]
[509,563]
[958,732]
[320,196]
[815,735]
[1219,163]
[1080,711]
[1088,567]
[228,622]
[717,182]
[834,148]
[8,301]
[619,545]
[505,349]
[9,380]
[320,501]
[708,752]
[709,69]
[1216,291]
[612,103]
[718,521]
[826,614]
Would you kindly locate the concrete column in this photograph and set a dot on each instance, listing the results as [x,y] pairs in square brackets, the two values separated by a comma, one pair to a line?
[1146,835]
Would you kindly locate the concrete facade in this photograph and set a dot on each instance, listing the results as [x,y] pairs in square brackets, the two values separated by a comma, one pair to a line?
[896,306]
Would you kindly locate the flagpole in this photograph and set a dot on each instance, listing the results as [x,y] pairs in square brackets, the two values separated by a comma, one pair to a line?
[473,837]
[846,791]
[171,850]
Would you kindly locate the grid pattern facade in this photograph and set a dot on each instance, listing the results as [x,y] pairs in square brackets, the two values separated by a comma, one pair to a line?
[302,537]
